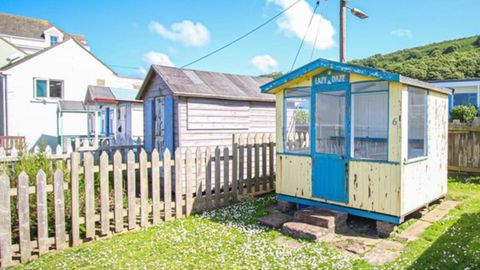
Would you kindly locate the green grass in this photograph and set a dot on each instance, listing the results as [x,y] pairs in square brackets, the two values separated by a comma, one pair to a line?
[228,238]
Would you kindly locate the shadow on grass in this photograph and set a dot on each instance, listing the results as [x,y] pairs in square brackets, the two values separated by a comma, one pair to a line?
[456,248]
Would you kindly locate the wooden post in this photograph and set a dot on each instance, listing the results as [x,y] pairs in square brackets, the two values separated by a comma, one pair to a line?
[42,214]
[60,237]
[234,170]
[118,190]
[75,205]
[89,195]
[24,217]
[217,177]
[132,217]
[264,162]
[249,164]
[178,184]
[271,159]
[5,221]
[155,186]
[257,162]
[143,189]
[199,164]
[241,166]
[167,184]
[208,178]
[188,183]
[104,197]
[226,172]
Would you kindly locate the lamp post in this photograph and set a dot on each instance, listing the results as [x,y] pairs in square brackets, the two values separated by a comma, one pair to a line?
[343,25]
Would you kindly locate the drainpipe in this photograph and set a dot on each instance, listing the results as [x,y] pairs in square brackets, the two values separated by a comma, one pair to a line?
[5,104]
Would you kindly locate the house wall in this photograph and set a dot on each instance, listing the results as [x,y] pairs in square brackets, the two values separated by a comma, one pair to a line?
[36,118]
[426,180]
[6,51]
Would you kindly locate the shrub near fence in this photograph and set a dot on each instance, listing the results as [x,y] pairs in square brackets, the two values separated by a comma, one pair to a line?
[111,196]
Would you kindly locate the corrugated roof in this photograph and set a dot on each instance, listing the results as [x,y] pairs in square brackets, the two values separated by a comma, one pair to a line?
[111,94]
[188,82]
[73,105]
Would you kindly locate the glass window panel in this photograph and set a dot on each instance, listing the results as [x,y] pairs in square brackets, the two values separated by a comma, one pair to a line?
[56,89]
[465,99]
[40,88]
[297,125]
[330,122]
[370,125]
[417,122]
[296,92]
[369,86]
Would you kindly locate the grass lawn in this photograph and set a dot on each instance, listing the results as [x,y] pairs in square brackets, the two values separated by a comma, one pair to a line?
[229,238]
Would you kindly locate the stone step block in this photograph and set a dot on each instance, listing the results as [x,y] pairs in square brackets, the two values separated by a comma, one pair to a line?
[307,231]
[322,217]
[274,220]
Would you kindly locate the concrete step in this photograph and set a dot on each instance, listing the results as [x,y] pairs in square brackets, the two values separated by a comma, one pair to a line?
[307,231]
[329,219]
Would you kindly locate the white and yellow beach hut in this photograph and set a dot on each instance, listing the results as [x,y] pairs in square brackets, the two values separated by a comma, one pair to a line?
[360,140]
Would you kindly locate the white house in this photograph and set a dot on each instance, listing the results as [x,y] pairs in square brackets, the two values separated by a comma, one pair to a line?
[467,91]
[32,35]
[32,86]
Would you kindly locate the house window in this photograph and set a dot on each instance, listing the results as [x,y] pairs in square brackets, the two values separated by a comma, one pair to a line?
[370,120]
[465,99]
[297,121]
[53,40]
[417,122]
[48,88]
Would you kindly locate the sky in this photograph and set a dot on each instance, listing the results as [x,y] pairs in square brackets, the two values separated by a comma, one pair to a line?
[131,35]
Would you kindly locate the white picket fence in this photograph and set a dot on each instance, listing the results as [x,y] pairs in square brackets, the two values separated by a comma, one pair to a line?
[147,189]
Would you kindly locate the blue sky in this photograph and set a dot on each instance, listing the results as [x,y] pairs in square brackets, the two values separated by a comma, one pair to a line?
[134,34]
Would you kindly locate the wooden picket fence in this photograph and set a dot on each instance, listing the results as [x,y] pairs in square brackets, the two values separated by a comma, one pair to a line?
[464,149]
[112,196]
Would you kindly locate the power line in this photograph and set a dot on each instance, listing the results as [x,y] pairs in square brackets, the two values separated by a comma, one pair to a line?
[315,42]
[305,35]
[120,66]
[242,36]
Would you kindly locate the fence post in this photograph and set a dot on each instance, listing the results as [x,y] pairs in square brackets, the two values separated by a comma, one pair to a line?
[249,164]
[264,161]
[208,178]
[89,195]
[24,217]
[60,238]
[226,174]
[234,168]
[155,186]
[143,188]
[199,164]
[188,183]
[75,206]
[118,190]
[167,184]
[5,221]
[42,214]
[271,150]
[104,195]
[178,184]
[132,217]
[257,139]
[217,177]
[241,166]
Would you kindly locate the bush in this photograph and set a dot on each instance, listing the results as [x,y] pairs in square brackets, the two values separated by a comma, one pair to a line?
[464,113]
[452,48]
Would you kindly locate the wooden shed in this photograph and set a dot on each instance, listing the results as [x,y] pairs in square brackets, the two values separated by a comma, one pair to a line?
[360,140]
[191,108]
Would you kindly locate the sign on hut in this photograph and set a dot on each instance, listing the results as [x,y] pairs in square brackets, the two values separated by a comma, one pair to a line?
[360,140]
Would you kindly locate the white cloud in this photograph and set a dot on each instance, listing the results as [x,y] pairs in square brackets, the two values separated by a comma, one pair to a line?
[187,32]
[265,63]
[402,33]
[295,21]
[157,58]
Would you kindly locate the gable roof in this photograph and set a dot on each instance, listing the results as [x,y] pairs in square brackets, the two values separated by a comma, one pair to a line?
[348,68]
[196,83]
[67,39]
[110,94]
[20,26]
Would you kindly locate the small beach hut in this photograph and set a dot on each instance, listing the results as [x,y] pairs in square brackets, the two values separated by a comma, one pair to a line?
[359,140]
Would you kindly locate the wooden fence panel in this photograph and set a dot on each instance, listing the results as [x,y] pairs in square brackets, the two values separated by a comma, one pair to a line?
[104,195]
[155,172]
[234,171]
[249,164]
[118,189]
[167,185]
[217,177]
[143,189]
[189,183]
[226,174]
[178,184]
[257,162]
[264,162]
[241,166]
[464,149]
[200,164]
[132,205]
[24,217]
[75,204]
[42,212]
[89,195]
[208,177]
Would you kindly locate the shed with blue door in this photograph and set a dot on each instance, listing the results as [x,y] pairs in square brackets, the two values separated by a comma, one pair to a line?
[360,140]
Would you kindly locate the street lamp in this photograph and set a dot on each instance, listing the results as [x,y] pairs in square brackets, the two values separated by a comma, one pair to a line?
[343,23]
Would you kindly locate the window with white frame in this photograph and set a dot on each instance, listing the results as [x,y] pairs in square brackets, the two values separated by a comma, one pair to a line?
[53,40]
[465,99]
[45,88]
[297,121]
[417,122]
[370,120]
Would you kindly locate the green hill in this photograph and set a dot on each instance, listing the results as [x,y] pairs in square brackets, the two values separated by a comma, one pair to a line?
[452,59]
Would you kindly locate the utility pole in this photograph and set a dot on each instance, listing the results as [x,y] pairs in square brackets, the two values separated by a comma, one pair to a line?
[343,31]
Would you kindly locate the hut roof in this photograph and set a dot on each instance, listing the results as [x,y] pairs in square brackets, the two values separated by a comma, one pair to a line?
[196,83]
[110,94]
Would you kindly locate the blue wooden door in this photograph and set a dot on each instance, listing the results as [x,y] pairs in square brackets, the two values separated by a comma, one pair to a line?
[330,142]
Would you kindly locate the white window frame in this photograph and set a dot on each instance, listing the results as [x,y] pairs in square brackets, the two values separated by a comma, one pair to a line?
[48,89]
[425,127]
